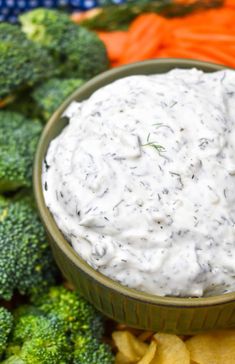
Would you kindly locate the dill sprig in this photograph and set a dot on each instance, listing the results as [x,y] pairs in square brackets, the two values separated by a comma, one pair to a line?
[158,125]
[154,145]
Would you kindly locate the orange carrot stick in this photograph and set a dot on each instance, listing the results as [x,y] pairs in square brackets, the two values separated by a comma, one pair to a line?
[115,43]
[229,3]
[207,35]
[186,53]
[220,55]
[204,34]
[79,16]
[142,24]
[144,38]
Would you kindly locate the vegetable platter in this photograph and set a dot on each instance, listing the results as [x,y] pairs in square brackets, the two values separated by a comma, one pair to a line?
[207,36]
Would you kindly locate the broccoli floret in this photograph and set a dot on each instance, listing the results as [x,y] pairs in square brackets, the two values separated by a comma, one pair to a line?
[91,53]
[25,105]
[22,63]
[49,95]
[57,329]
[18,141]
[88,350]
[37,339]
[6,322]
[71,309]
[78,52]
[27,318]
[26,262]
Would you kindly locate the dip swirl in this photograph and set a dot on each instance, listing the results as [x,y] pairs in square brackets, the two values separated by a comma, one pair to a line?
[142,182]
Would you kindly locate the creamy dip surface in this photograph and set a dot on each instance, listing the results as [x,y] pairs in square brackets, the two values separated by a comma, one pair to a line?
[142,182]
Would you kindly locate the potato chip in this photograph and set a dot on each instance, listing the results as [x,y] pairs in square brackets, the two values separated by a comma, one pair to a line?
[132,348]
[170,350]
[150,353]
[124,327]
[122,359]
[146,335]
[121,326]
[216,347]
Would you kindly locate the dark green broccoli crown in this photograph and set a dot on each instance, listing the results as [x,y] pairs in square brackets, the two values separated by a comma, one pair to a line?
[24,104]
[18,141]
[49,95]
[26,262]
[9,31]
[37,339]
[91,56]
[22,62]
[78,52]
[89,350]
[73,310]
[84,54]
[6,322]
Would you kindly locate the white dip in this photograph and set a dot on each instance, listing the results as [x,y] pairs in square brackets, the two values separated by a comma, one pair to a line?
[142,182]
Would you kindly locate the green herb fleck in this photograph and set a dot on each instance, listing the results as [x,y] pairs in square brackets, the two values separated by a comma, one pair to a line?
[158,147]
[158,124]
[155,145]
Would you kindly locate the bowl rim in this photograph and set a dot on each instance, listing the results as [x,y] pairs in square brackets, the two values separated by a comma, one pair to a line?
[56,234]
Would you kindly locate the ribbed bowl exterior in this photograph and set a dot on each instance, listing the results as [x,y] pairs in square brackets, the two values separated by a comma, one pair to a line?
[148,316]
[136,309]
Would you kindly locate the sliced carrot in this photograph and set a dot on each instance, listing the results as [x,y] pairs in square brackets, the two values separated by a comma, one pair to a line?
[143,53]
[207,35]
[205,32]
[186,53]
[142,24]
[185,2]
[209,53]
[115,64]
[144,38]
[79,16]
[219,54]
[214,17]
[229,3]
[115,43]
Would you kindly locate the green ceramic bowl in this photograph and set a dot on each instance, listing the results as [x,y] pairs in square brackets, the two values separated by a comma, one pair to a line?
[137,309]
